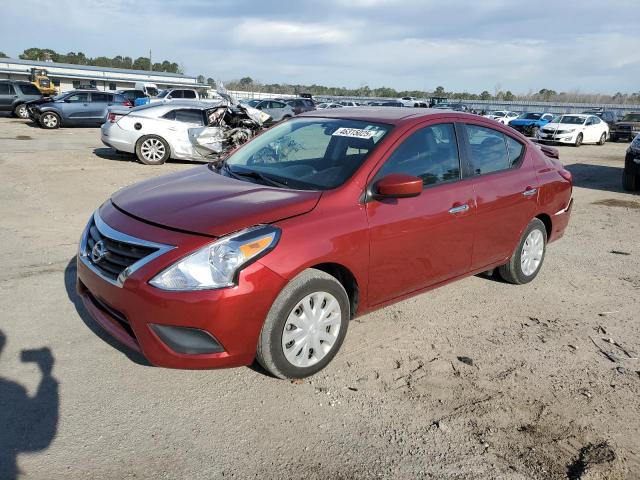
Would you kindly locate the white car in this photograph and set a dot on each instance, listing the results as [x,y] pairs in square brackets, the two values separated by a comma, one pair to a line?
[502,116]
[575,129]
[328,105]
[184,130]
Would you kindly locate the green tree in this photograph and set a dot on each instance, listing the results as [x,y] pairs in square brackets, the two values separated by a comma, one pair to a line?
[3,55]
[508,96]
[485,95]
[439,92]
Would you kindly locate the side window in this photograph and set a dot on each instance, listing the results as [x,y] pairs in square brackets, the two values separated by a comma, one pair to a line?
[5,89]
[189,94]
[516,151]
[488,150]
[99,98]
[170,115]
[112,86]
[176,94]
[28,89]
[431,154]
[277,105]
[595,120]
[78,98]
[189,116]
[76,83]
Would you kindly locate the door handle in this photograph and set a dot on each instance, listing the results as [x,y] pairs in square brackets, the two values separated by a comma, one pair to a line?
[459,209]
[530,191]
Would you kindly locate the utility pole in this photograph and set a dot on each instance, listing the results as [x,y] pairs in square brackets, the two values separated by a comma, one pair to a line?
[150,62]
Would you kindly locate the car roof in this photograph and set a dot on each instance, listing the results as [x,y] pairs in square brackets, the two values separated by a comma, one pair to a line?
[381,114]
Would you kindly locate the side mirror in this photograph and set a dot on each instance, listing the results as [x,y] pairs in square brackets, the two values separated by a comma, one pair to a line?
[398,185]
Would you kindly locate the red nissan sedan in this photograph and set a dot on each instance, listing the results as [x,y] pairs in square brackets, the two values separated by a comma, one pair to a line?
[268,254]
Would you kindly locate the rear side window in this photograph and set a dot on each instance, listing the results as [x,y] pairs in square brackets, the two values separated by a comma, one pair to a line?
[516,151]
[188,116]
[28,89]
[6,89]
[99,98]
[189,94]
[431,154]
[277,105]
[176,94]
[488,150]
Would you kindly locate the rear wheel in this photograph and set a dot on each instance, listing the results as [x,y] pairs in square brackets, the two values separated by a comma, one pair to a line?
[534,131]
[525,263]
[49,120]
[21,111]
[630,181]
[578,140]
[152,150]
[305,326]
[603,139]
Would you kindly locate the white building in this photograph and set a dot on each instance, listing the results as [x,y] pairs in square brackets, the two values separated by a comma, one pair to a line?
[66,76]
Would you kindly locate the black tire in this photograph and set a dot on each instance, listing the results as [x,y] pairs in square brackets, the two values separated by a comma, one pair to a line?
[21,111]
[270,352]
[603,139]
[579,139]
[145,142]
[49,120]
[512,271]
[630,181]
[534,131]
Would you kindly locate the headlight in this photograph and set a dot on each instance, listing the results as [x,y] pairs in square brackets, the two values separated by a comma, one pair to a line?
[218,264]
[571,130]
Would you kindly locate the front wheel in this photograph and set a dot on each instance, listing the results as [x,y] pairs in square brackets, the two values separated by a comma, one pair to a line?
[21,111]
[525,263]
[630,181]
[49,120]
[305,326]
[578,140]
[534,132]
[152,150]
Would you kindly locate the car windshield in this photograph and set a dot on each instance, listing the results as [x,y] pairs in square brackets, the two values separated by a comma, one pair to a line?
[498,114]
[60,96]
[531,116]
[631,117]
[152,91]
[308,153]
[571,119]
[163,93]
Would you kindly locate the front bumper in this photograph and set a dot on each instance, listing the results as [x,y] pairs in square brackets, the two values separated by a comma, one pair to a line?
[232,316]
[568,138]
[625,134]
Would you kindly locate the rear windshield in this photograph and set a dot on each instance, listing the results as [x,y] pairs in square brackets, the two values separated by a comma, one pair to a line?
[309,153]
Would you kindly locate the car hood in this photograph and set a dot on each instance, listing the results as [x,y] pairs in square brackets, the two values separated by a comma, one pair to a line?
[38,101]
[627,124]
[201,201]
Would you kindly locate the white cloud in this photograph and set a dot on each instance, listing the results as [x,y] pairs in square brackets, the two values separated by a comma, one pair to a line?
[268,33]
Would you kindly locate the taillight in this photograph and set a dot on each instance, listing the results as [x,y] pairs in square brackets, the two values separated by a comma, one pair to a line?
[112,118]
[566,174]
[127,103]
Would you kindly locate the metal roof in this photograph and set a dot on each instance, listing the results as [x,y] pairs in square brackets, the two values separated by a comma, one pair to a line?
[91,68]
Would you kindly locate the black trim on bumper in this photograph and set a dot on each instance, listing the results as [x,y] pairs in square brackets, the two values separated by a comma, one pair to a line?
[187,340]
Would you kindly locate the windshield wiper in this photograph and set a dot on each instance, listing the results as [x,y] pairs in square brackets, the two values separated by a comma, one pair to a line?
[268,180]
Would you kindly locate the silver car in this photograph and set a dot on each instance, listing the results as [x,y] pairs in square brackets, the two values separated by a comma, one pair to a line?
[276,109]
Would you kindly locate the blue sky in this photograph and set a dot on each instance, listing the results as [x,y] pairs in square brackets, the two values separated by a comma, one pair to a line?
[571,45]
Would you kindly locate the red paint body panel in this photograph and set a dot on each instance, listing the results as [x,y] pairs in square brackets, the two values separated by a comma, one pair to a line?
[394,248]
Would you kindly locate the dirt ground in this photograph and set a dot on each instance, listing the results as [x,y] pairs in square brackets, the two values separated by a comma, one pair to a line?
[476,380]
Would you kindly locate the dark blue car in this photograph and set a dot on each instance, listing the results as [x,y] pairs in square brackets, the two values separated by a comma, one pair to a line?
[77,108]
[529,123]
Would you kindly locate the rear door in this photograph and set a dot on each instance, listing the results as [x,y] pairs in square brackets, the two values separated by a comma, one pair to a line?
[7,96]
[98,104]
[506,189]
[421,241]
[180,121]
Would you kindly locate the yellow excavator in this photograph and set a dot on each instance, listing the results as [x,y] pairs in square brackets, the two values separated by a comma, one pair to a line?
[39,78]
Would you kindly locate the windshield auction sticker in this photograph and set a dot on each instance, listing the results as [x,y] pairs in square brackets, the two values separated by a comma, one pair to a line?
[354,132]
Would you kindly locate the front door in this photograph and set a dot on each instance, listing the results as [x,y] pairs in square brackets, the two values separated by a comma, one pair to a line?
[506,189]
[421,241]
[75,108]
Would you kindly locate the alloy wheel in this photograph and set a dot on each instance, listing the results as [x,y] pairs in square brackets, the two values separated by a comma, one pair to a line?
[50,121]
[311,330]
[532,251]
[152,150]
[22,112]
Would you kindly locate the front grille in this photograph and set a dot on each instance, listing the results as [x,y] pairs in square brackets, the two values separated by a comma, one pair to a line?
[624,127]
[113,256]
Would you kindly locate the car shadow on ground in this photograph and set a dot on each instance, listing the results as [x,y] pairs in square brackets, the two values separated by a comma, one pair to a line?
[596,177]
[28,423]
[70,286]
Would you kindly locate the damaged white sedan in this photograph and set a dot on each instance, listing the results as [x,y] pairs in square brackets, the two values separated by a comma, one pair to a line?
[182,130]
